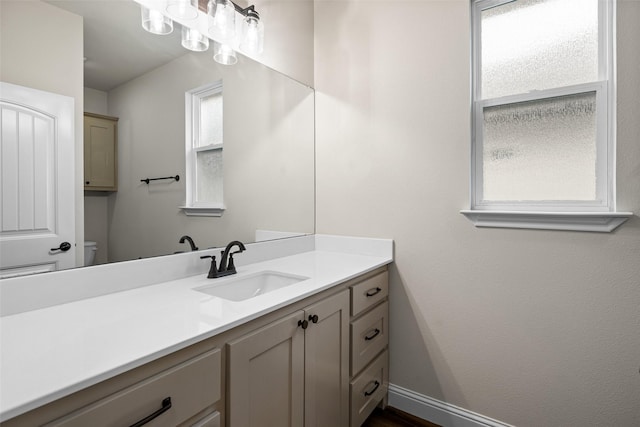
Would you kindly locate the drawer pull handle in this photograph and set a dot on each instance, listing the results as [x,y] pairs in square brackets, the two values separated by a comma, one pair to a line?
[166,405]
[376,332]
[375,387]
[373,291]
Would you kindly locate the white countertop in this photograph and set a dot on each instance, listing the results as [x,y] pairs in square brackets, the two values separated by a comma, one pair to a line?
[52,352]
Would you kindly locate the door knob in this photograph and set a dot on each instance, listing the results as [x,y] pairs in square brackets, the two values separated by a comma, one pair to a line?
[64,247]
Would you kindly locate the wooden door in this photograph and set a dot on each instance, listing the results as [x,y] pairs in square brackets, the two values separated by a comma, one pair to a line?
[327,362]
[37,166]
[266,376]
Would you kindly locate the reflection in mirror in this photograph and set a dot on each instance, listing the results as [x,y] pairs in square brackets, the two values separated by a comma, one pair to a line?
[268,132]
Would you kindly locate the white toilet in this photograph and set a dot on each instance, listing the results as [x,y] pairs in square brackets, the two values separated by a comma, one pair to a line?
[89,252]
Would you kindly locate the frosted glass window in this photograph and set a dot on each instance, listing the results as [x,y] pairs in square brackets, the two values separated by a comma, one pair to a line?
[204,147]
[209,176]
[538,44]
[540,150]
[211,120]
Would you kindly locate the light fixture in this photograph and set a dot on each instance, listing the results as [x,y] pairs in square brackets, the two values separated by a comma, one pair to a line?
[252,39]
[220,23]
[183,9]
[224,54]
[155,22]
[222,20]
[194,40]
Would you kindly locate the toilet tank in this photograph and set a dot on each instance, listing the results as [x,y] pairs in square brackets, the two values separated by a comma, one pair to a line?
[90,249]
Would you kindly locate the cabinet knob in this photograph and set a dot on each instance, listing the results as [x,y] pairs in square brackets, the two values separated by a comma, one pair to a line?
[87,183]
[303,324]
[313,318]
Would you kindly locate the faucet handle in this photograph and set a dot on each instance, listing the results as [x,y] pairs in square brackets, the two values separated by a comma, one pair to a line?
[213,270]
[230,265]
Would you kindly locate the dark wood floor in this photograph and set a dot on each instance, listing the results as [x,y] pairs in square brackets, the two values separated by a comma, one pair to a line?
[392,417]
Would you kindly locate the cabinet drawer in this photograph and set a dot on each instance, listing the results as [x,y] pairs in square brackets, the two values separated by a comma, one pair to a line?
[192,386]
[369,336]
[211,420]
[369,292]
[369,388]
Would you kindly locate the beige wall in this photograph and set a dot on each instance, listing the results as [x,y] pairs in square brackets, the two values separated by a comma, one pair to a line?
[288,34]
[533,328]
[268,157]
[46,55]
[96,101]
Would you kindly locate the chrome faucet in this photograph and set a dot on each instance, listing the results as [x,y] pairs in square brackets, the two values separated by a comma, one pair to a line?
[226,267]
[190,240]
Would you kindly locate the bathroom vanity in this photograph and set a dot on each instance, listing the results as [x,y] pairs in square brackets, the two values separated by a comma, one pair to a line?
[307,352]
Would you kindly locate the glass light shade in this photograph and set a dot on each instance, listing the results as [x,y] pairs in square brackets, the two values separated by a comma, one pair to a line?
[194,40]
[155,22]
[224,54]
[252,34]
[183,9]
[222,20]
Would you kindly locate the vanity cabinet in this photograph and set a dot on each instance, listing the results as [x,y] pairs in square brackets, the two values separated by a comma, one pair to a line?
[321,361]
[294,371]
[100,152]
[369,331]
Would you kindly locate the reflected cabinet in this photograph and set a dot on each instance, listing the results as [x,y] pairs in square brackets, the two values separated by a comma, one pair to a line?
[100,152]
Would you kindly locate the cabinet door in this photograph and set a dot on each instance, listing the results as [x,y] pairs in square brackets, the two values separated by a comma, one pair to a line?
[327,362]
[99,153]
[266,376]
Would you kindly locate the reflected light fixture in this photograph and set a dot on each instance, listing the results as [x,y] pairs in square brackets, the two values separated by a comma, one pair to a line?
[224,54]
[155,22]
[183,9]
[193,40]
[222,20]
[252,33]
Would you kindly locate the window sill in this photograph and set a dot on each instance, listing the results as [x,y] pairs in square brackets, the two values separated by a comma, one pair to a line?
[603,222]
[203,211]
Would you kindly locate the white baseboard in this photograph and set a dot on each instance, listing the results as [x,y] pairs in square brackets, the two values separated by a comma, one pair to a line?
[436,411]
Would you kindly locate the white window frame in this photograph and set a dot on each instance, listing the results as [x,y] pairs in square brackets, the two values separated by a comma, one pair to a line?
[595,215]
[193,97]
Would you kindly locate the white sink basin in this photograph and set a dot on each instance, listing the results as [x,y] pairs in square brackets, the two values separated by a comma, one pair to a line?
[242,288]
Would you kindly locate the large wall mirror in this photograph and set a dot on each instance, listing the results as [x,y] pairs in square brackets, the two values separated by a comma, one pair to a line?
[268,156]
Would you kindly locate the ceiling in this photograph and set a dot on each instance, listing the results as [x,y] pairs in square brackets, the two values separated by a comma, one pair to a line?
[116,47]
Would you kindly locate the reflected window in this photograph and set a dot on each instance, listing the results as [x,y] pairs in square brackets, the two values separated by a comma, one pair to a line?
[204,150]
[542,105]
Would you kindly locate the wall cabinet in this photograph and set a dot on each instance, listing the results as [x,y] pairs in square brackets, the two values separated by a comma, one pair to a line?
[318,362]
[100,152]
